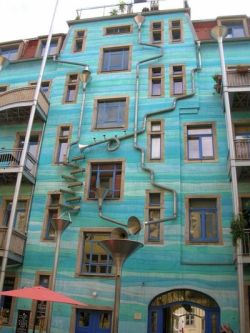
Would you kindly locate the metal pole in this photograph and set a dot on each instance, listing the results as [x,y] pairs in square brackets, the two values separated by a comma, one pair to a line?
[234,181]
[115,317]
[23,156]
[53,278]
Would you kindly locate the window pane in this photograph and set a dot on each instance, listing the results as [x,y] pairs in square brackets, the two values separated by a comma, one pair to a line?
[62,150]
[207,147]
[155,147]
[195,226]
[6,301]
[95,259]
[178,86]
[154,232]
[110,114]
[70,94]
[84,319]
[193,149]
[156,87]
[196,131]
[105,320]
[154,199]
[210,225]
[155,126]
[115,59]
[9,53]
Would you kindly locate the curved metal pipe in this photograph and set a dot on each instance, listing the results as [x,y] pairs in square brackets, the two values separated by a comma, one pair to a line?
[136,146]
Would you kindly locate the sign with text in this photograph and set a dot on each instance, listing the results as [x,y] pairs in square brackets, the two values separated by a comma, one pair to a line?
[23,318]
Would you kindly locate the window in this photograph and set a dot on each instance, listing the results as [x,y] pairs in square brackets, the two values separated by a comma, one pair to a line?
[3,88]
[189,319]
[52,212]
[45,87]
[234,29]
[156,79]
[92,321]
[62,143]
[94,259]
[107,175]
[118,30]
[53,48]
[200,142]
[156,32]
[154,210]
[115,59]
[203,220]
[71,88]
[111,113]
[79,41]
[177,80]
[11,52]
[20,219]
[40,309]
[7,302]
[175,31]
[155,140]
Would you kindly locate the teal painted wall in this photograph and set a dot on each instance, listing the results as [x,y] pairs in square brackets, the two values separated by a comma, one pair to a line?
[154,269]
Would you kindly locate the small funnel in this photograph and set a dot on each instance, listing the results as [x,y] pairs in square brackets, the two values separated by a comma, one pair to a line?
[139,19]
[119,233]
[134,225]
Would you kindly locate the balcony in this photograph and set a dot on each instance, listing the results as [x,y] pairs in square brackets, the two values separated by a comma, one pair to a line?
[15,105]
[17,245]
[10,165]
[242,149]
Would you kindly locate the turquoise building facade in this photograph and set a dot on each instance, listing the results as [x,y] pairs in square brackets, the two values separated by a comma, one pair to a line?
[145,129]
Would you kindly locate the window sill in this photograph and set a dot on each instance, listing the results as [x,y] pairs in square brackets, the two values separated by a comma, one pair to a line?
[85,275]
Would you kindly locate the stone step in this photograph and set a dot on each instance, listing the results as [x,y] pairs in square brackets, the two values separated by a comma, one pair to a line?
[71,164]
[69,178]
[67,191]
[75,199]
[78,158]
[74,172]
[75,184]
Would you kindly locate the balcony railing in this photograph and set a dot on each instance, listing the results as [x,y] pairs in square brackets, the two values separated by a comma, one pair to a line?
[246,242]
[21,97]
[10,158]
[242,149]
[17,242]
[237,78]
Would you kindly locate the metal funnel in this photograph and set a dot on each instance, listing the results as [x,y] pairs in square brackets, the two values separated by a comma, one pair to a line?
[120,250]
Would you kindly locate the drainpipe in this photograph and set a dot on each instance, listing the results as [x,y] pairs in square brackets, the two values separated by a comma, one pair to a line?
[139,20]
[218,33]
[84,77]
[24,154]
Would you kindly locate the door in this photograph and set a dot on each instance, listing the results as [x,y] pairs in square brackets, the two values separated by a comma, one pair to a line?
[88,321]
[32,151]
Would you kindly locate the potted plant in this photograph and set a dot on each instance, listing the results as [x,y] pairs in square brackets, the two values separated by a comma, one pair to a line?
[218,79]
[238,226]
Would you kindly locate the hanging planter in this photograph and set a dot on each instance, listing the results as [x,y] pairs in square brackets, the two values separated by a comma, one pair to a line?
[218,79]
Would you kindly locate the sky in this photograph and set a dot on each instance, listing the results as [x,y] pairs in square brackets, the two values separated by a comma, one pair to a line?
[22,19]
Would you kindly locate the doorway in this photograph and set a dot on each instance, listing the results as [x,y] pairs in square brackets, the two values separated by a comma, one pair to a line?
[183,311]
[90,321]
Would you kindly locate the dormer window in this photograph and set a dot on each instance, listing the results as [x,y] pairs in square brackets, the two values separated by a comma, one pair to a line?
[53,48]
[236,27]
[10,52]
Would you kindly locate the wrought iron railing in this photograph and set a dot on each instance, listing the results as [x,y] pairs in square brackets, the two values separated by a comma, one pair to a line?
[238,79]
[10,158]
[246,243]
[242,149]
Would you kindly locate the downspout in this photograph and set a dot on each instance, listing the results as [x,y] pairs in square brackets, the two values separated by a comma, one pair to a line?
[84,86]
[24,154]
[139,22]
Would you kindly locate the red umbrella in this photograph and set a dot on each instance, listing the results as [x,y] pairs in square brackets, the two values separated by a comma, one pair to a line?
[39,293]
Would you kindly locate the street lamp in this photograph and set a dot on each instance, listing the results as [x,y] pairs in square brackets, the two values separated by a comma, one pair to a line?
[59,224]
[120,250]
